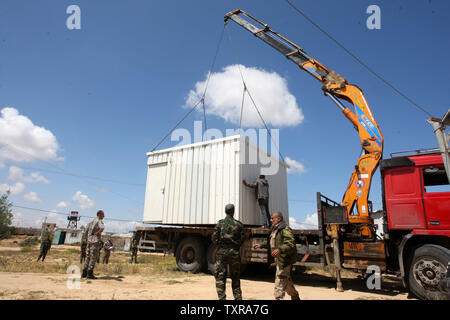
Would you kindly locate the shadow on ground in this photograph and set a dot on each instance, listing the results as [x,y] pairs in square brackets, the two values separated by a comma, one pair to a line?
[390,286]
[118,278]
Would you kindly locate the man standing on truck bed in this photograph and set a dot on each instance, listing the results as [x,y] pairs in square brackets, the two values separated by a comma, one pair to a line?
[262,194]
[94,233]
[228,236]
[281,245]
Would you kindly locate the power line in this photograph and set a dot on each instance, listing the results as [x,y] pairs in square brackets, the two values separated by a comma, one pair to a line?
[251,98]
[202,100]
[78,175]
[65,214]
[359,60]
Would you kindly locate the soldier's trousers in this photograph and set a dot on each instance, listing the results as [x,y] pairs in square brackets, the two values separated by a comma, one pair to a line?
[91,256]
[133,256]
[43,253]
[284,283]
[264,210]
[234,265]
[82,255]
[106,256]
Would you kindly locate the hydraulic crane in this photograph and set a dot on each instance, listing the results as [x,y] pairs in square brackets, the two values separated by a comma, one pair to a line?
[356,207]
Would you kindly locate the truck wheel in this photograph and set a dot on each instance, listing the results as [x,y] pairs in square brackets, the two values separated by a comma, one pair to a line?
[211,258]
[428,267]
[190,255]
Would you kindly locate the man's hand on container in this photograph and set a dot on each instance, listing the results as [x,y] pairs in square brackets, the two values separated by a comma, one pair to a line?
[256,246]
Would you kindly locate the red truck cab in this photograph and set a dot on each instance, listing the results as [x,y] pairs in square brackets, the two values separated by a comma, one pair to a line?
[416,200]
[417,194]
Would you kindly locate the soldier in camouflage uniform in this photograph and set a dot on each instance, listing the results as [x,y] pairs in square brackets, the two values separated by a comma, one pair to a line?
[134,248]
[94,233]
[100,247]
[83,250]
[46,243]
[282,248]
[107,247]
[84,244]
[228,236]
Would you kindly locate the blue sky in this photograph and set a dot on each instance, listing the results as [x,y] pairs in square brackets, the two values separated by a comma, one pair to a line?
[110,91]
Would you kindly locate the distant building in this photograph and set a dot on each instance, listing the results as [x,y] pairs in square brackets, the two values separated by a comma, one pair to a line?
[120,241]
[73,236]
[27,231]
[67,236]
[48,226]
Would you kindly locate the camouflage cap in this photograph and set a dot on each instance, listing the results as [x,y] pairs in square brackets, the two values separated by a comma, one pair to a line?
[229,208]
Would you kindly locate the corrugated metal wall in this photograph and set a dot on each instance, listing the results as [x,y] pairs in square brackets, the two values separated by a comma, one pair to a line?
[250,171]
[200,179]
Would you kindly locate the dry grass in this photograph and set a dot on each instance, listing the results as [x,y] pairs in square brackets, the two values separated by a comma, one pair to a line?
[59,259]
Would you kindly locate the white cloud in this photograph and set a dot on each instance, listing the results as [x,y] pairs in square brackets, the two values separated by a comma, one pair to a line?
[59,219]
[62,204]
[83,200]
[16,189]
[294,166]
[16,174]
[22,141]
[268,89]
[102,189]
[310,222]
[31,197]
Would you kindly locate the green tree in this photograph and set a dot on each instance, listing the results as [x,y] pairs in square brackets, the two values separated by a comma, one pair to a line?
[5,216]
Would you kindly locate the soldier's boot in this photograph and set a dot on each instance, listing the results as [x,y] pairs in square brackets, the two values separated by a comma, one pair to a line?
[84,274]
[90,275]
[297,297]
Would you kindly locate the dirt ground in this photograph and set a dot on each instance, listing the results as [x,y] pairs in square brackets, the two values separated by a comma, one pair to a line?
[157,278]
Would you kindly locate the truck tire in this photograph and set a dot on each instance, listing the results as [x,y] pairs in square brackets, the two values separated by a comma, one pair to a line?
[427,268]
[211,258]
[190,255]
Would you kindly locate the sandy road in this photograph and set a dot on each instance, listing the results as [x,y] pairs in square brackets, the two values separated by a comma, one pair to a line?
[145,284]
[136,287]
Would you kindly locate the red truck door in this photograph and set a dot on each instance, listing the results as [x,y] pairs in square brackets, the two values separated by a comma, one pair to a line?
[436,197]
[403,196]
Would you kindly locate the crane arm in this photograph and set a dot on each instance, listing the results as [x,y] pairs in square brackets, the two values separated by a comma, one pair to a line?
[336,88]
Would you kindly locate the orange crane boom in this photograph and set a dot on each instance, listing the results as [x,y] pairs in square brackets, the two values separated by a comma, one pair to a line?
[336,88]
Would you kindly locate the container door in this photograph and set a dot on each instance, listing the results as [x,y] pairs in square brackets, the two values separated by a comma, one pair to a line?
[154,199]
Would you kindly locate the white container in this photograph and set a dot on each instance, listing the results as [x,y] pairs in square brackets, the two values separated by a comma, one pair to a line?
[191,184]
